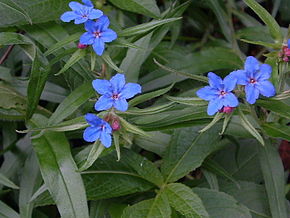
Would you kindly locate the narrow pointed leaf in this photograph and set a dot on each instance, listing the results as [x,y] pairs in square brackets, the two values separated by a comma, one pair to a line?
[6,182]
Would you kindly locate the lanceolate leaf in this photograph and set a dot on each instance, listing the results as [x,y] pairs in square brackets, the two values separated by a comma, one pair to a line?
[7,212]
[59,172]
[273,174]
[183,200]
[277,130]
[277,107]
[6,182]
[187,150]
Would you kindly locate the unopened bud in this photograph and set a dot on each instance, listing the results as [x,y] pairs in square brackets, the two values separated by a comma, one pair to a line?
[227,110]
[116,124]
[82,46]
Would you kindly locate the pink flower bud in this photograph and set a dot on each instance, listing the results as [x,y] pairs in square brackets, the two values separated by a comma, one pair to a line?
[82,46]
[227,110]
[116,125]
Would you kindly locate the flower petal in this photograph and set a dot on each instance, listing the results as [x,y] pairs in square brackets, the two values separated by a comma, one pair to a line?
[91,134]
[207,93]
[102,86]
[214,80]
[230,82]
[93,119]
[241,76]
[118,82]
[251,64]
[75,6]
[130,90]
[68,16]
[230,100]
[106,139]
[266,88]
[90,26]
[88,3]
[264,72]
[99,46]
[108,128]
[121,104]
[87,38]
[104,103]
[80,20]
[104,22]
[252,93]
[288,43]
[214,106]
[94,14]
[109,35]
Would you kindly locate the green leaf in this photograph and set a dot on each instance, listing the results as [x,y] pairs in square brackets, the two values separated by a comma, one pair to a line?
[187,100]
[59,171]
[131,64]
[145,97]
[250,128]
[76,57]
[7,212]
[150,110]
[110,62]
[265,44]
[187,151]
[216,118]
[183,200]
[131,128]
[30,181]
[10,38]
[273,26]
[148,7]
[95,152]
[37,79]
[157,207]
[277,107]
[145,27]
[6,182]
[276,130]
[273,173]
[219,204]
[78,97]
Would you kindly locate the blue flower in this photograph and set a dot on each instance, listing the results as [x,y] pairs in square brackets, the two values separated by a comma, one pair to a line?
[81,13]
[97,34]
[218,93]
[255,79]
[99,129]
[115,92]
[288,43]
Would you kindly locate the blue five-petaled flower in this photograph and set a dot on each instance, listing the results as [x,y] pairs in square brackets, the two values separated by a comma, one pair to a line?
[97,34]
[218,93]
[115,92]
[98,130]
[255,79]
[81,13]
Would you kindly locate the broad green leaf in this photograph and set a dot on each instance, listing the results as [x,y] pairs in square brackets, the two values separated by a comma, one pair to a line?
[148,7]
[6,182]
[277,130]
[211,179]
[78,55]
[19,12]
[157,207]
[131,64]
[95,152]
[10,99]
[7,212]
[30,181]
[146,27]
[145,97]
[183,200]
[219,204]
[78,97]
[187,151]
[277,107]
[10,38]
[273,26]
[273,173]
[59,171]
[37,79]
[250,128]
[187,100]
[251,195]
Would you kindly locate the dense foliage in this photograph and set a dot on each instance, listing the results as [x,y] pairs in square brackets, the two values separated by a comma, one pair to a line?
[111,109]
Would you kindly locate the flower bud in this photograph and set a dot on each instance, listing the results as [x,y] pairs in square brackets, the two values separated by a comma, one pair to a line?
[115,124]
[82,46]
[227,110]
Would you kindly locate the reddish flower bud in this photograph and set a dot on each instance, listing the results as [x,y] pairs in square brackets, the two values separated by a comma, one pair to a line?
[82,46]
[285,53]
[227,110]
[116,124]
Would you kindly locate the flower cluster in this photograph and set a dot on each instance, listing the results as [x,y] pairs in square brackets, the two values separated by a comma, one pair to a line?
[254,77]
[98,32]
[285,53]
[114,94]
